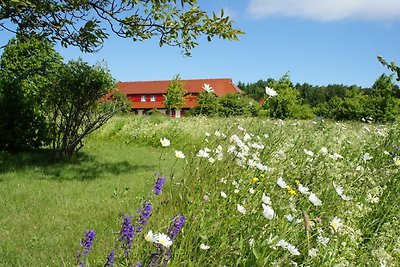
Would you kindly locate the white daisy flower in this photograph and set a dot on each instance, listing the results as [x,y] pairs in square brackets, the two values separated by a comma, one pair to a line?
[336,224]
[336,156]
[293,250]
[270,92]
[367,157]
[282,243]
[251,242]
[208,88]
[281,183]
[323,240]
[163,239]
[339,191]
[268,212]
[290,217]
[359,168]
[323,150]
[315,200]
[246,137]
[179,154]
[165,142]
[372,199]
[304,190]
[313,252]
[266,199]
[309,152]
[203,154]
[204,246]
[150,237]
[241,209]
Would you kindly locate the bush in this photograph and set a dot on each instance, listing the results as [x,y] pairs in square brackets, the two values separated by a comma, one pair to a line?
[77,107]
[21,125]
[28,66]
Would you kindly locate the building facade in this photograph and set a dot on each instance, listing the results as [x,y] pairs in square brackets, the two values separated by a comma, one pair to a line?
[148,95]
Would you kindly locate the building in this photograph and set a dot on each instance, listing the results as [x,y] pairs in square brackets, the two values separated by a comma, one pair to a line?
[148,95]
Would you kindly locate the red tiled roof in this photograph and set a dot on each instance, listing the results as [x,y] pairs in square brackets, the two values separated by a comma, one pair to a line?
[220,86]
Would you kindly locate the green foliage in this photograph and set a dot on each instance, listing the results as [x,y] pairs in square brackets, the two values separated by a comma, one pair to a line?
[255,90]
[225,106]
[237,105]
[287,103]
[391,66]
[81,23]
[175,96]
[77,105]
[45,101]
[28,67]
[383,86]
[207,104]
[381,102]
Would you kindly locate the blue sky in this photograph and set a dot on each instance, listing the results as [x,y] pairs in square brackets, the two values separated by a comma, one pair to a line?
[317,41]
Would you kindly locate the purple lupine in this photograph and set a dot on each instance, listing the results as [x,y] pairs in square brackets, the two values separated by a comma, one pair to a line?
[110,259]
[158,186]
[167,257]
[86,244]
[154,258]
[126,234]
[145,214]
[139,264]
[176,225]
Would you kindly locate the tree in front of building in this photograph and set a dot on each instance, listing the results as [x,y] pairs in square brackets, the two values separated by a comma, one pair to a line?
[175,96]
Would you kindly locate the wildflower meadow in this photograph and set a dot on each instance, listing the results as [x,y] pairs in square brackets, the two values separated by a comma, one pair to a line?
[155,191]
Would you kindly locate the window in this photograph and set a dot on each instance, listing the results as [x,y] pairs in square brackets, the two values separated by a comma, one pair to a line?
[152,98]
[143,98]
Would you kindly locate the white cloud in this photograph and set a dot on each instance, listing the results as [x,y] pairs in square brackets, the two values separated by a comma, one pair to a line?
[327,10]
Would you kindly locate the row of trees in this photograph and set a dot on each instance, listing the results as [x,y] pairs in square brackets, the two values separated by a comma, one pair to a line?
[380,102]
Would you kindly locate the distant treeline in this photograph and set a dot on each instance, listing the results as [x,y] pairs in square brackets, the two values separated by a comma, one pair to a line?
[340,102]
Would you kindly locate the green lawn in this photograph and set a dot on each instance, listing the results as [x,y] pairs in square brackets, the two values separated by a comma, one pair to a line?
[46,206]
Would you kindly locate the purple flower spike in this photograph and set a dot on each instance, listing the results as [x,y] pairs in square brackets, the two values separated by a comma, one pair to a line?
[154,258]
[167,257]
[86,245]
[158,186]
[126,234]
[177,223]
[145,214]
[139,264]
[110,259]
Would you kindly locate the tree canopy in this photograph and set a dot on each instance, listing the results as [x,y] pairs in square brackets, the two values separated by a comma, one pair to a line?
[88,23]
[175,95]
[27,68]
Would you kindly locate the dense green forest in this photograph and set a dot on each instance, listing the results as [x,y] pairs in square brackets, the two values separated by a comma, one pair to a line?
[380,102]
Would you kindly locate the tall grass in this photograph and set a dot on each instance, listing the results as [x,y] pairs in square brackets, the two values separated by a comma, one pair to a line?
[338,204]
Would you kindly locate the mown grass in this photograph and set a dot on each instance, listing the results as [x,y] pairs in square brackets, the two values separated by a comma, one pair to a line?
[48,205]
